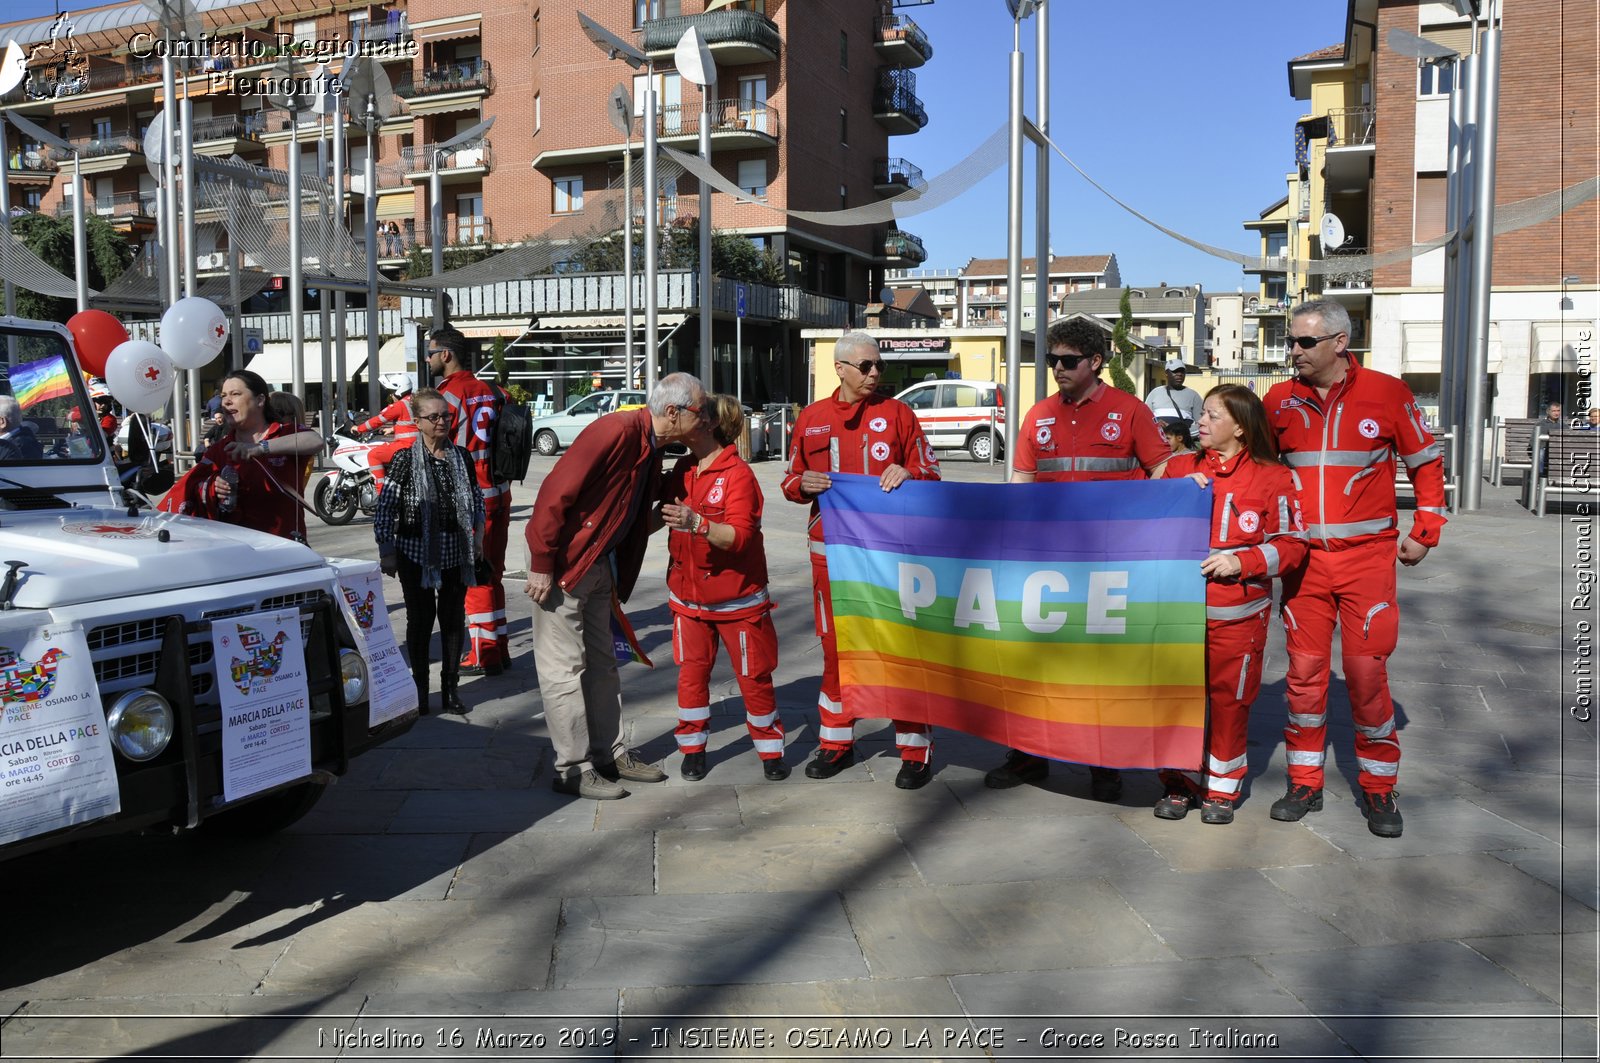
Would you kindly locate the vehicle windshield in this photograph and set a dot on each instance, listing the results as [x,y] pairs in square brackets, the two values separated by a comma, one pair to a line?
[46,417]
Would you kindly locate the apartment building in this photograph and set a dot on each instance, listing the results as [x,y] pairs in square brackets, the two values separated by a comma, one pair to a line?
[1373,158]
[975,295]
[807,99]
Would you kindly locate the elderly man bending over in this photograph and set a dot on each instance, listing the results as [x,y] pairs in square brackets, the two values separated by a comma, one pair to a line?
[592,519]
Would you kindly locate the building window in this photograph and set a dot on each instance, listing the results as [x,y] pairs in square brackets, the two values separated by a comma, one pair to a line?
[471,226]
[1277,244]
[568,195]
[646,10]
[844,127]
[1435,79]
[844,49]
[1429,220]
[102,129]
[538,112]
[359,23]
[536,30]
[305,32]
[753,176]
[33,198]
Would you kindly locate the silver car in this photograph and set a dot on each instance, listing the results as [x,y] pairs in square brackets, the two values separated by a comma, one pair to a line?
[558,430]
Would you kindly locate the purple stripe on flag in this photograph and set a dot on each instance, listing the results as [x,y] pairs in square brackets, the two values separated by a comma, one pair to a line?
[981,538]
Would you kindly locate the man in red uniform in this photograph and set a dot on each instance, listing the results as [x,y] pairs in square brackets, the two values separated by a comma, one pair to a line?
[855,430]
[474,405]
[398,415]
[1086,431]
[1340,429]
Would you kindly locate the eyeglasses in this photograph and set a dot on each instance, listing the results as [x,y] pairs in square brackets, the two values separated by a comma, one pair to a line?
[436,418]
[1308,342]
[689,409]
[436,350]
[1067,361]
[863,367]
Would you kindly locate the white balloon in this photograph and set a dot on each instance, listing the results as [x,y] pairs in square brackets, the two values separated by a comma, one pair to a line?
[193,332]
[140,375]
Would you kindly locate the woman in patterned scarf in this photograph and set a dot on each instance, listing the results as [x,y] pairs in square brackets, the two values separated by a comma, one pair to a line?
[429,528]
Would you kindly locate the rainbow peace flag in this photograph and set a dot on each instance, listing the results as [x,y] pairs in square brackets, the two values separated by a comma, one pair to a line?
[624,643]
[1065,620]
[35,382]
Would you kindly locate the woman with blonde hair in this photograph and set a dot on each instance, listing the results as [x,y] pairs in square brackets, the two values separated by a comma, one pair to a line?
[717,587]
[1256,534]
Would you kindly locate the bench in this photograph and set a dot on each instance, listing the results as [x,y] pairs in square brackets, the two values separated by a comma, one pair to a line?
[1513,445]
[1402,482]
[1571,460]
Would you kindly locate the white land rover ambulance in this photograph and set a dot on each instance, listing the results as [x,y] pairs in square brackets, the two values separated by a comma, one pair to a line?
[160,672]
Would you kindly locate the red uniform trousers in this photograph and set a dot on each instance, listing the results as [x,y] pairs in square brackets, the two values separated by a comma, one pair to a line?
[378,459]
[1354,588]
[914,740]
[486,606]
[753,650]
[1234,652]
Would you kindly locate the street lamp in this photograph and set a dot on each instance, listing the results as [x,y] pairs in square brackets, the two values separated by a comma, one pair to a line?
[694,62]
[79,238]
[370,103]
[1020,128]
[617,48]
[620,110]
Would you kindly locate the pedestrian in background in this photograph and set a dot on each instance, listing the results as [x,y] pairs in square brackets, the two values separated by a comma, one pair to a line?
[429,528]
[717,587]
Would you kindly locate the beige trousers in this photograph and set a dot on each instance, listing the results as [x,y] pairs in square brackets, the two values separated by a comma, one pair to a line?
[577,665]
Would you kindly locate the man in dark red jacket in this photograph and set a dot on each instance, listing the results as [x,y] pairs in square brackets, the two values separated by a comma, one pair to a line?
[592,517]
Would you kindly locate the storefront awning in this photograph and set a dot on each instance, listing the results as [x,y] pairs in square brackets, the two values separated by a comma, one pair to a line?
[453,31]
[598,330]
[1422,342]
[1555,346]
[276,365]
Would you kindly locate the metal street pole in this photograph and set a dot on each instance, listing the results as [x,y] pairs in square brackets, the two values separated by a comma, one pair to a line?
[1456,154]
[707,366]
[5,218]
[1041,313]
[627,261]
[1466,229]
[297,270]
[1477,375]
[436,225]
[369,180]
[324,252]
[1014,246]
[186,392]
[652,236]
[80,241]
[341,336]
[169,184]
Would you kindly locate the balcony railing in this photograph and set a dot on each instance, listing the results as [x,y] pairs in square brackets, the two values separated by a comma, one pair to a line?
[117,205]
[1335,277]
[896,95]
[733,27]
[727,116]
[240,127]
[897,176]
[1352,126]
[420,159]
[31,159]
[895,29]
[461,76]
[111,144]
[903,245]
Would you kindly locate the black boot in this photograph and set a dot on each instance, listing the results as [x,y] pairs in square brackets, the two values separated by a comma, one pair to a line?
[449,702]
[422,693]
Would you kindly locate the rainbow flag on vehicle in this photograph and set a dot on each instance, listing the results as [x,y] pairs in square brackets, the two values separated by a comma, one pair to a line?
[36,382]
[1065,620]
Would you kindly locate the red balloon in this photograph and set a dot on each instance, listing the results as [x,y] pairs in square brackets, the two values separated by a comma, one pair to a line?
[97,334]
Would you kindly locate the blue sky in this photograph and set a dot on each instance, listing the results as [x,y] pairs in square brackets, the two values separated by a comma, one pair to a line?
[1182,109]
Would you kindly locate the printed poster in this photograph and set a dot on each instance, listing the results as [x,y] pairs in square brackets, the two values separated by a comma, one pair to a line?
[56,764]
[266,705]
[392,691]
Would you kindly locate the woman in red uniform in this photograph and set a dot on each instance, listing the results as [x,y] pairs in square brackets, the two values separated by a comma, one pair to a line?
[255,474]
[717,588]
[1256,534]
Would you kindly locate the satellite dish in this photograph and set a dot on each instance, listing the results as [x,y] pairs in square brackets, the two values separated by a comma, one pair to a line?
[369,83]
[610,42]
[13,67]
[155,144]
[693,58]
[619,108]
[1332,230]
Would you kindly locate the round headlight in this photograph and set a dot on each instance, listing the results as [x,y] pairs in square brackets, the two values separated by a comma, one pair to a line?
[353,674]
[141,724]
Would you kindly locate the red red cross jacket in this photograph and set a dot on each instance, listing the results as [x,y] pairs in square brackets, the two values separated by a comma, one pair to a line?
[473,408]
[702,580]
[397,413]
[861,437]
[1110,435]
[1255,515]
[1343,451]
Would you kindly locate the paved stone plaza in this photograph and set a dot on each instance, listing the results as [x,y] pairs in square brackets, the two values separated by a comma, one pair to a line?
[442,902]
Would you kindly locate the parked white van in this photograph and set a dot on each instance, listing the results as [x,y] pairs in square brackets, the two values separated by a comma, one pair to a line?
[960,415]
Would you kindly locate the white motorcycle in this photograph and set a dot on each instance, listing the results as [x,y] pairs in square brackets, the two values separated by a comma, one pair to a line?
[351,485]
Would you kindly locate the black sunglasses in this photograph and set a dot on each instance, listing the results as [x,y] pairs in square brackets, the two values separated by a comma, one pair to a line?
[1307,342]
[863,367]
[1067,361]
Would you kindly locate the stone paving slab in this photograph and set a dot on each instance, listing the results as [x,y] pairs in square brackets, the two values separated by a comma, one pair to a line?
[704,939]
[773,859]
[556,864]
[1198,914]
[1049,848]
[1252,840]
[988,927]
[1453,825]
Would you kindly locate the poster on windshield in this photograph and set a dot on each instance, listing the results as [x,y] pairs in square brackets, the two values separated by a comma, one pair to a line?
[56,765]
[391,690]
[266,706]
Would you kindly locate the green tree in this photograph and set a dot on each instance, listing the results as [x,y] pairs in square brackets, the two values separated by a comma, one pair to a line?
[732,255]
[497,358]
[419,260]
[50,238]
[1122,345]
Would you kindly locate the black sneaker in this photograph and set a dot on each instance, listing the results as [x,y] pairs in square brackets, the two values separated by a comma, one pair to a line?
[694,766]
[913,775]
[774,769]
[1019,767]
[1177,801]
[1105,784]
[1383,815]
[830,762]
[1292,806]
[1216,810]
